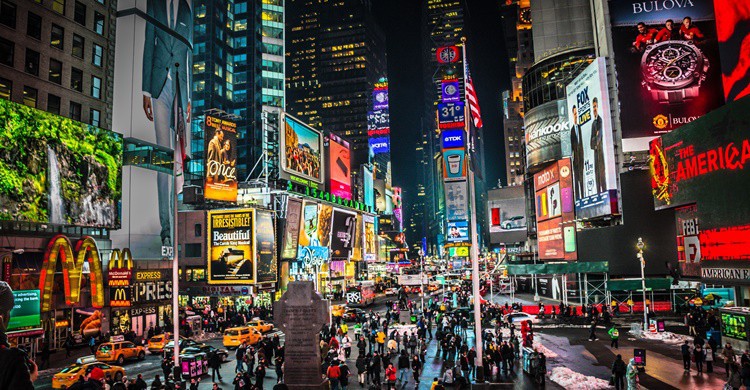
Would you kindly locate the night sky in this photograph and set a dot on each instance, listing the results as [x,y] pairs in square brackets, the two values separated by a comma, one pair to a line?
[400,20]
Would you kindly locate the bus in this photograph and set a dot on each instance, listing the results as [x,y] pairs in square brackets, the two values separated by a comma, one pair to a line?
[362,294]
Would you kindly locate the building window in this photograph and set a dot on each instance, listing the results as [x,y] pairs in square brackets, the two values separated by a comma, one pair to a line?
[32,62]
[96,56]
[78,43]
[192,250]
[29,96]
[53,104]
[75,111]
[34,26]
[8,13]
[55,71]
[95,117]
[79,14]
[56,37]
[76,79]
[98,23]
[6,52]
[96,87]
[58,6]
[6,87]
[198,230]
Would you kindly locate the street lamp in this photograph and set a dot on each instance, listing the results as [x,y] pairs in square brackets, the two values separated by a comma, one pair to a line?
[640,245]
[421,277]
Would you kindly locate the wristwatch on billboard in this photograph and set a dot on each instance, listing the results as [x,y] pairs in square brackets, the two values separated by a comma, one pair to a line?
[673,71]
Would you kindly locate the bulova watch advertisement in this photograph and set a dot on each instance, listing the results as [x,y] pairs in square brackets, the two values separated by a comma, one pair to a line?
[667,64]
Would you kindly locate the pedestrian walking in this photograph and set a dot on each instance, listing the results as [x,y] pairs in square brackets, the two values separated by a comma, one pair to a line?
[614,334]
[416,369]
[390,377]
[361,366]
[239,354]
[699,357]
[214,362]
[403,368]
[260,374]
[632,375]
[333,374]
[343,375]
[709,353]
[729,357]
[685,349]
[735,377]
[592,331]
[618,373]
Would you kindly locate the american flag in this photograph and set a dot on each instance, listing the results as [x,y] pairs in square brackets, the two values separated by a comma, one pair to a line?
[471,96]
[179,129]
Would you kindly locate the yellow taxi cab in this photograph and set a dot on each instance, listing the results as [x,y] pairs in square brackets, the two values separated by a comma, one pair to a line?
[70,374]
[156,344]
[338,310]
[260,325]
[233,337]
[119,351]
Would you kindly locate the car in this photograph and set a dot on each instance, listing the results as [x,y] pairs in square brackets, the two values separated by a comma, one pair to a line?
[119,352]
[354,315]
[260,325]
[338,310]
[184,343]
[519,317]
[391,291]
[233,337]
[208,350]
[71,374]
[156,343]
[516,222]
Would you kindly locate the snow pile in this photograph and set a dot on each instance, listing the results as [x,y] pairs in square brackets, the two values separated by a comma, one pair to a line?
[572,380]
[547,352]
[667,337]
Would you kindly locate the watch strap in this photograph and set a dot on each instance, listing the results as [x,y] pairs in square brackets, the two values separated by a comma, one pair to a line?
[675,96]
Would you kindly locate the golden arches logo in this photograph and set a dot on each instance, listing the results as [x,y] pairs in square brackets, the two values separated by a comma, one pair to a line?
[72,266]
[120,268]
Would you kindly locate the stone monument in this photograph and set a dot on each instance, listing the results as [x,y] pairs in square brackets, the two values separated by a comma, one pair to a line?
[302,313]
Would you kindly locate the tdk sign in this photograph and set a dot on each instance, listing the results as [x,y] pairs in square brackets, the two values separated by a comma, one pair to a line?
[453,139]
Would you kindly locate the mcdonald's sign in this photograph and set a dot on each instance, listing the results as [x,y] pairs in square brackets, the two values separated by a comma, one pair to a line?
[120,268]
[85,250]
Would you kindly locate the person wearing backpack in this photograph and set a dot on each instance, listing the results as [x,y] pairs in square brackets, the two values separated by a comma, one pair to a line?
[614,334]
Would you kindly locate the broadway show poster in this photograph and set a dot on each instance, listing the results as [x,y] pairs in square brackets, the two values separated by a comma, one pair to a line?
[292,228]
[594,169]
[231,258]
[325,216]
[733,30]
[265,247]
[370,250]
[309,233]
[343,232]
[221,159]
[667,64]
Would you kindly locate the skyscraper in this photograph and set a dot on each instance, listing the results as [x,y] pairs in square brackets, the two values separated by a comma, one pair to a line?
[335,55]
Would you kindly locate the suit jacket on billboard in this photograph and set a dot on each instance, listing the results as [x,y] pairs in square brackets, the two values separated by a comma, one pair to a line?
[162,50]
[596,134]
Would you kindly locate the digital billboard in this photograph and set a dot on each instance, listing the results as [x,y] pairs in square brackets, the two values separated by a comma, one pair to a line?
[339,161]
[555,212]
[231,252]
[450,91]
[452,139]
[507,215]
[311,248]
[343,232]
[456,200]
[25,313]
[380,145]
[369,187]
[265,247]
[302,153]
[547,133]
[378,123]
[370,251]
[292,228]
[221,159]
[593,160]
[380,99]
[455,164]
[733,28]
[451,115]
[56,170]
[458,231]
[667,65]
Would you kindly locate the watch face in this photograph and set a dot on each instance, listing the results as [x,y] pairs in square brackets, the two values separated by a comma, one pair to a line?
[672,64]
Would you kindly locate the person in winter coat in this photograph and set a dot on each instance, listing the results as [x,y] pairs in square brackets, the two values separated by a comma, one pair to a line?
[729,357]
[448,377]
[333,374]
[374,369]
[614,334]
[631,374]
[403,368]
[416,369]
[735,377]
[709,359]
[344,375]
[618,372]
[685,348]
[745,374]
[260,374]
[361,366]
[698,356]
[346,344]
[214,362]
[390,376]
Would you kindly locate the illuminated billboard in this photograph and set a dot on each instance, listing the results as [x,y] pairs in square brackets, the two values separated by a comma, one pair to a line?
[25,312]
[231,252]
[456,200]
[343,232]
[547,133]
[555,212]
[593,159]
[458,231]
[265,247]
[301,153]
[56,170]
[380,99]
[221,159]
[450,91]
[380,145]
[732,28]
[313,238]
[292,228]
[370,239]
[339,160]
[455,164]
[451,115]
[378,123]
[667,64]
[369,186]
[451,139]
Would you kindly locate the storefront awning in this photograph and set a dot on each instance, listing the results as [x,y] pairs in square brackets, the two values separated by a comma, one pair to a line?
[635,284]
[558,268]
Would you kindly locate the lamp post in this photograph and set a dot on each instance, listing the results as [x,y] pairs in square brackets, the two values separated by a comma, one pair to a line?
[421,277]
[640,245]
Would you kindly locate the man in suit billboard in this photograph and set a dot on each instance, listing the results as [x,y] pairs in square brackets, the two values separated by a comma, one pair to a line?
[597,146]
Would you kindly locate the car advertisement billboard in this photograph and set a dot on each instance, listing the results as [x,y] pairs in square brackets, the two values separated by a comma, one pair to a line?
[593,159]
[451,115]
[547,133]
[450,91]
[456,200]
[339,161]
[25,313]
[667,64]
[733,27]
[705,163]
[458,231]
[507,215]
[265,247]
[370,239]
[221,159]
[555,212]
[292,228]
[231,255]
[455,164]
[302,153]
[453,139]
[56,170]
[343,232]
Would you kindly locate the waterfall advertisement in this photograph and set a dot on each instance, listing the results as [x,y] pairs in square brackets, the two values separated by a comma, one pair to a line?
[265,247]
[221,159]
[231,256]
[56,170]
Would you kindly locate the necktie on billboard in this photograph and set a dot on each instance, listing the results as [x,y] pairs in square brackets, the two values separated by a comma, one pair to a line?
[471,97]
[179,131]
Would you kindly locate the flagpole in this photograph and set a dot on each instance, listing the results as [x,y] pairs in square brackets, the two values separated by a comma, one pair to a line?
[478,340]
[175,262]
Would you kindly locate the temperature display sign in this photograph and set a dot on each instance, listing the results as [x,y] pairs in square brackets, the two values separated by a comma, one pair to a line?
[451,115]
